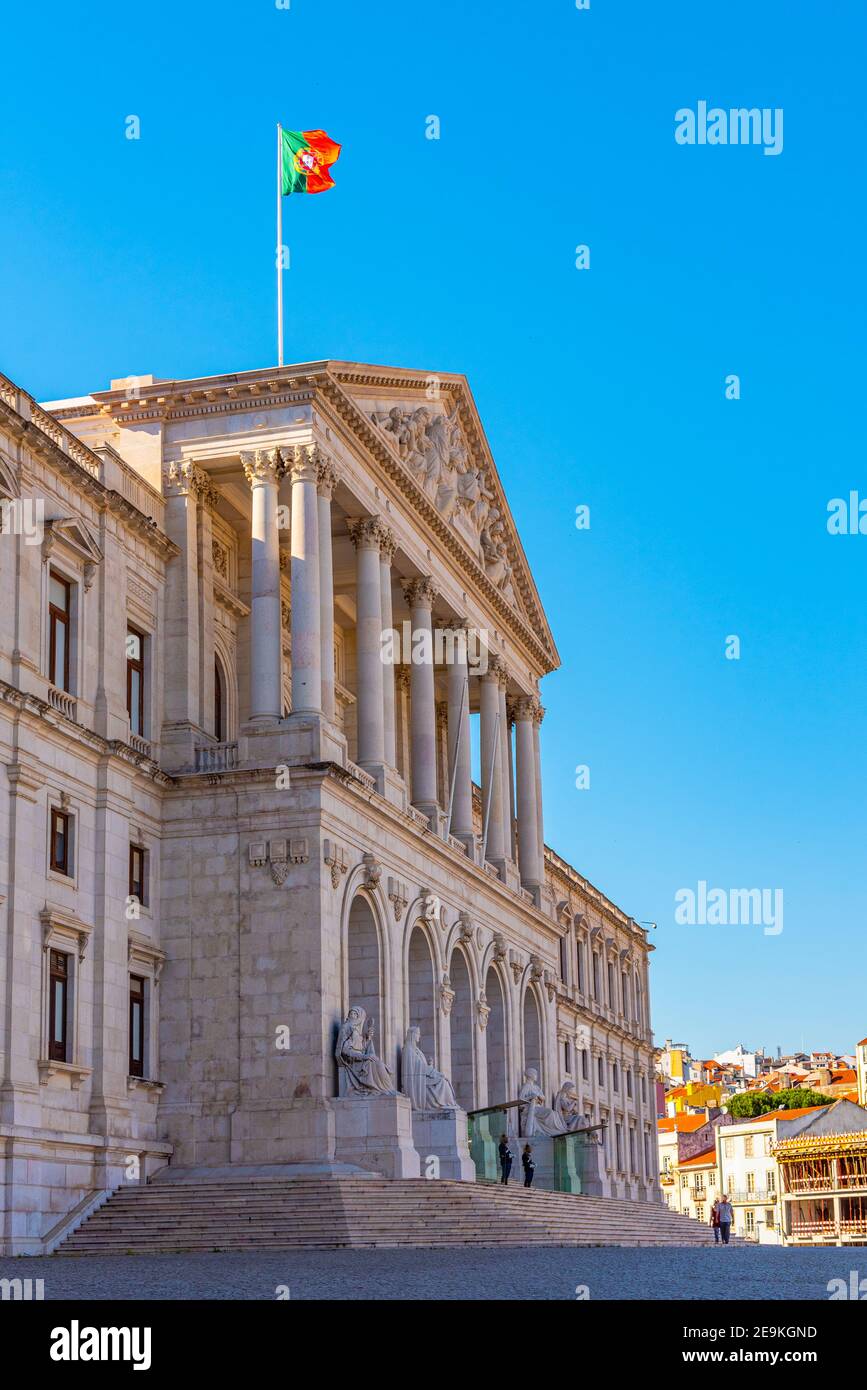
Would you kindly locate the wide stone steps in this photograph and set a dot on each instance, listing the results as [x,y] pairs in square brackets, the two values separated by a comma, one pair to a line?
[327,1213]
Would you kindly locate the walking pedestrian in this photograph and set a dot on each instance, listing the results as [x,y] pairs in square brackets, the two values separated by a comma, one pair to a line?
[726,1217]
[529,1165]
[714,1220]
[505,1160]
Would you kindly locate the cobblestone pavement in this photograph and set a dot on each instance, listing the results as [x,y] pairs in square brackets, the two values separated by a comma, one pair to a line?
[463,1274]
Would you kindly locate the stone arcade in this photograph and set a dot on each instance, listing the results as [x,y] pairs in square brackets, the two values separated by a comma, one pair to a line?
[253,908]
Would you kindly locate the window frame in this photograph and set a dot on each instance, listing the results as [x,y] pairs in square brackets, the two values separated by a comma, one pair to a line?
[137,1032]
[136,849]
[137,665]
[64,617]
[57,866]
[58,980]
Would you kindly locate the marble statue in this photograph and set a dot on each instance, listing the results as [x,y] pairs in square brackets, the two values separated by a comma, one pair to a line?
[365,1073]
[426,1087]
[536,1116]
[567,1108]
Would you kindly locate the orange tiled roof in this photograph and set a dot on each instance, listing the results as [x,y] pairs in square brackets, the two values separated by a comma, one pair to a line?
[862,1043]
[707,1159]
[680,1124]
[847,1074]
[789,1114]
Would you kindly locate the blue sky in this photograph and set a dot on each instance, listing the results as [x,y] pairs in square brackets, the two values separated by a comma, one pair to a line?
[602,387]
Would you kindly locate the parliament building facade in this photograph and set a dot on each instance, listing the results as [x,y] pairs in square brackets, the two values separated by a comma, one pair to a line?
[227,817]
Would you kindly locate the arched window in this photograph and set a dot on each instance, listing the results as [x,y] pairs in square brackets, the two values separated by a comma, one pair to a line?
[219,703]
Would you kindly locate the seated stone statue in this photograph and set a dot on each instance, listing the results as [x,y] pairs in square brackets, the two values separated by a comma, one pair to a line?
[426,1087]
[364,1073]
[567,1107]
[536,1116]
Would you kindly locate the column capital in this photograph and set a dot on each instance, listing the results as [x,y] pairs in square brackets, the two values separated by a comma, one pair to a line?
[367,532]
[420,593]
[455,623]
[182,478]
[523,706]
[302,462]
[387,545]
[497,671]
[262,465]
[327,477]
[538,712]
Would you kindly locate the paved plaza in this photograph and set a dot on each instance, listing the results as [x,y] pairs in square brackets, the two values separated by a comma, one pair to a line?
[460,1274]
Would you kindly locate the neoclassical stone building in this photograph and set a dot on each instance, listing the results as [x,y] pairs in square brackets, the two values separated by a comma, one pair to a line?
[225,819]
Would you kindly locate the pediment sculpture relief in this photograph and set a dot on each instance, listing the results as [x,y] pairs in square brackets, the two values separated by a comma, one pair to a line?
[431,444]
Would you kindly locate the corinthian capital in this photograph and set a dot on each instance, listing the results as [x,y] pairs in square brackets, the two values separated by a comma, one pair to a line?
[524,706]
[366,532]
[262,465]
[326,478]
[387,545]
[303,462]
[420,593]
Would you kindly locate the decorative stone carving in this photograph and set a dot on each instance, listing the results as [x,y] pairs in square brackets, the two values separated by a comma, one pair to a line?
[372,871]
[335,857]
[420,593]
[326,478]
[516,965]
[550,986]
[466,930]
[398,897]
[299,851]
[367,532]
[567,1108]
[431,908]
[483,1010]
[447,995]
[426,1087]
[536,968]
[262,465]
[220,557]
[499,951]
[362,1072]
[257,853]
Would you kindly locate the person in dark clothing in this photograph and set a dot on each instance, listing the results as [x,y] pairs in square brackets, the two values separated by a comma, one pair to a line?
[714,1221]
[726,1216]
[529,1165]
[505,1160]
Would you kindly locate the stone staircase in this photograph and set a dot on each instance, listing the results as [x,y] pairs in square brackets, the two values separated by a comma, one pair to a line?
[257,1213]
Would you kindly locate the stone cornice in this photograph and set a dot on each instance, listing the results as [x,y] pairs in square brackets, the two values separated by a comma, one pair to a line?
[61,450]
[27,703]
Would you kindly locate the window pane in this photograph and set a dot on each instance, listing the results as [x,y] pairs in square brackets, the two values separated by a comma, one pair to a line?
[58,593]
[59,664]
[59,1009]
[135,701]
[136,1030]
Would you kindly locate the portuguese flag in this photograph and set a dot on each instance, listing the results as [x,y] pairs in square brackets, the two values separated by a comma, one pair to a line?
[304,159]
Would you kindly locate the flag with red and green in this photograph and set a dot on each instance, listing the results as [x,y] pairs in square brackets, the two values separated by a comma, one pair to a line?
[304,159]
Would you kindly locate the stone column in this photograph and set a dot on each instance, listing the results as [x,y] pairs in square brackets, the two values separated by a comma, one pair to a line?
[460,762]
[263,469]
[505,769]
[510,724]
[420,595]
[366,535]
[387,547]
[181,702]
[326,482]
[538,716]
[491,755]
[401,681]
[528,837]
[306,600]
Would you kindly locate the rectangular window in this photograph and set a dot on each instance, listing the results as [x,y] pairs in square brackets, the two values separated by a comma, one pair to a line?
[60,850]
[58,1006]
[769,1218]
[581,981]
[643,1087]
[564,959]
[566,1057]
[600,1071]
[618,1130]
[748,1146]
[750,1222]
[699,1213]
[612,1002]
[615,1076]
[729,1148]
[135,681]
[684,1181]
[138,874]
[585,1065]
[771,1180]
[629,1082]
[59,623]
[751,1182]
[136,1025]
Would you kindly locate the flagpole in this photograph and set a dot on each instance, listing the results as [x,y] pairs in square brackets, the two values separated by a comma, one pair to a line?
[279,256]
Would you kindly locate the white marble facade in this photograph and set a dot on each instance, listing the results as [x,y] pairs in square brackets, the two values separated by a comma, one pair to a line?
[306,833]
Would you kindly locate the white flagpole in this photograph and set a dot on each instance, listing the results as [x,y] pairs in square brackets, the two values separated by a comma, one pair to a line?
[279,256]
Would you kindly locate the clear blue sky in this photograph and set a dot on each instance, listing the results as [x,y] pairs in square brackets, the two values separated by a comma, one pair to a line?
[603,387]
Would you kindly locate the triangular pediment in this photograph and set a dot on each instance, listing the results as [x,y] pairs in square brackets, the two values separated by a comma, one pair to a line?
[72,531]
[430,424]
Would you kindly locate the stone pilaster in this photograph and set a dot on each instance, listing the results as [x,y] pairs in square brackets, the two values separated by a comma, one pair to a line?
[263,469]
[459,750]
[326,482]
[306,599]
[387,548]
[528,837]
[182,698]
[491,754]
